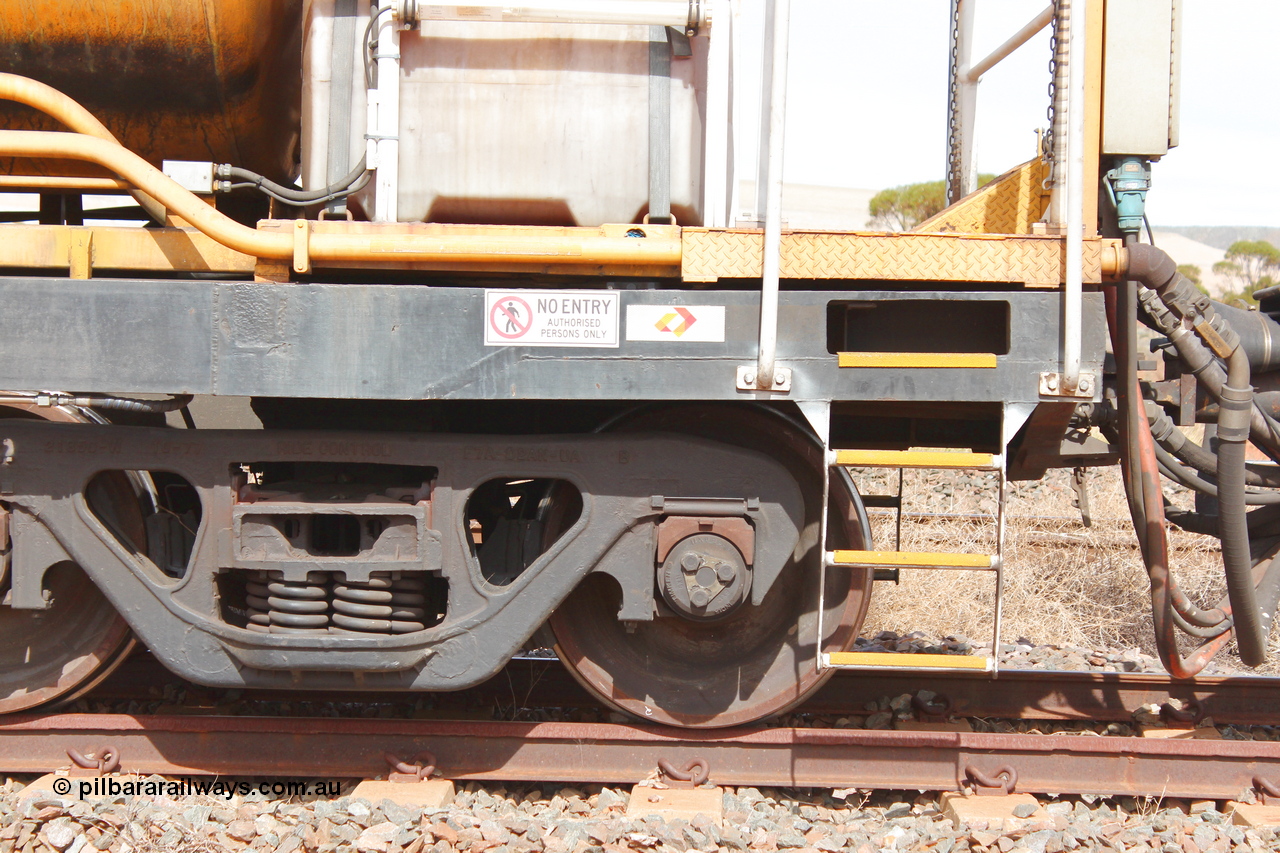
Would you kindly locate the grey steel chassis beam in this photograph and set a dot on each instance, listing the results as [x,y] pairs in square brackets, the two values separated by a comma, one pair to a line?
[411,342]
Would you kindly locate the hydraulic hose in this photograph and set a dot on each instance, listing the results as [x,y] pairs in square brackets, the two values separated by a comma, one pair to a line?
[1233,433]
[51,102]
[101,401]
[131,404]
[352,182]
[1163,281]
[1158,271]
[1173,440]
[1169,606]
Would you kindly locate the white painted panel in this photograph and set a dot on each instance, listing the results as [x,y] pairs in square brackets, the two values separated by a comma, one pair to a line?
[1137,74]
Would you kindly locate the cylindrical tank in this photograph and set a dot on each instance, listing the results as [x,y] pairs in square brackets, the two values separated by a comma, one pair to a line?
[212,80]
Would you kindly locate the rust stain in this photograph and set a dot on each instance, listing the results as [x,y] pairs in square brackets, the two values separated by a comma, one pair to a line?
[172,79]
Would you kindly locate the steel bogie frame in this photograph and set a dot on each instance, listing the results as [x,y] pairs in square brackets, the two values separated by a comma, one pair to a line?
[627,483]
[405,342]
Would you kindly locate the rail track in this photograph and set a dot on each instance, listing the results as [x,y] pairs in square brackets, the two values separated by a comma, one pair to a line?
[203,737]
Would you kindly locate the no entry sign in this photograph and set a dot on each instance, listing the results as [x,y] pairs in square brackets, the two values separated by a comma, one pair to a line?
[551,318]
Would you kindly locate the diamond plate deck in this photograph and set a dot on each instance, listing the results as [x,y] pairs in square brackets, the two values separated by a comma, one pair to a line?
[1032,261]
[1007,205]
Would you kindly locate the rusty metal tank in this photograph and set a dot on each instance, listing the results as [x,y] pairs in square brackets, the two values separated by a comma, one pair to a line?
[172,79]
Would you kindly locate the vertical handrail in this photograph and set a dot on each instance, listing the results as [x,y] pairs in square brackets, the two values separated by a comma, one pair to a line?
[1073,286]
[962,166]
[719,183]
[961,163]
[386,131]
[769,185]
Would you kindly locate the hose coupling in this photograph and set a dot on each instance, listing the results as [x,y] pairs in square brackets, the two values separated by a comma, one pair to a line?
[1128,184]
[1235,406]
[1162,428]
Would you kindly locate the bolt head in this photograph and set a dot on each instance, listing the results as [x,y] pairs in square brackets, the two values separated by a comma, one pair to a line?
[1086,385]
[725,573]
[749,378]
[779,379]
[690,562]
[699,597]
[1051,383]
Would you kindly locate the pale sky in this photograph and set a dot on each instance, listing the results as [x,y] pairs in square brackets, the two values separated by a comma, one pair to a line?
[868,94]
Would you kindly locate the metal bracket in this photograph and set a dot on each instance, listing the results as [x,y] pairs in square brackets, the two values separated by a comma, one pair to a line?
[7,454]
[1081,487]
[747,379]
[1051,385]
[679,42]
[32,551]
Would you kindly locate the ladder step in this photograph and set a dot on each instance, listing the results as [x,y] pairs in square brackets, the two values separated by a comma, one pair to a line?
[891,660]
[882,501]
[913,559]
[916,459]
[926,360]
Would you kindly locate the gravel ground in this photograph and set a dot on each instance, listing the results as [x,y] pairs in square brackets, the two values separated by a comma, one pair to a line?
[591,819]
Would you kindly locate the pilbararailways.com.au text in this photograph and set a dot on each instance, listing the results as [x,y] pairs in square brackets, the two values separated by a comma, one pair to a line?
[107,786]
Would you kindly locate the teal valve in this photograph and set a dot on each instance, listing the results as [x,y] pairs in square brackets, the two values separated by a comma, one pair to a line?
[1127,184]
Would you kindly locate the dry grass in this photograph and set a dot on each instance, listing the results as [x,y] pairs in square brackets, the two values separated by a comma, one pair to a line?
[1065,584]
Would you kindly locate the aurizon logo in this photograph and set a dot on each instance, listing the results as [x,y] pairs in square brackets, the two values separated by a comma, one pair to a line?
[686,320]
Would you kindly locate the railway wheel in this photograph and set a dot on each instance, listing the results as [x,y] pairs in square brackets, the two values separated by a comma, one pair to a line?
[756,662]
[62,652]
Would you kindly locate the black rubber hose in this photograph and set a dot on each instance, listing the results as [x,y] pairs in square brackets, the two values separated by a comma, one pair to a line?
[1173,440]
[293,195]
[1233,530]
[151,407]
[1157,271]
[1264,521]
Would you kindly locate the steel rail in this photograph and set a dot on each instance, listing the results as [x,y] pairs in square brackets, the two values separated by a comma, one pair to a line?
[1018,695]
[598,752]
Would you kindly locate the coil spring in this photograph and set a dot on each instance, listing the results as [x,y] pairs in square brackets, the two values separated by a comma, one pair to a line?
[277,606]
[383,605]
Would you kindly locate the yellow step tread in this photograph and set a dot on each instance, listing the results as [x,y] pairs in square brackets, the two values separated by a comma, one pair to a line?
[925,360]
[915,459]
[891,660]
[919,559]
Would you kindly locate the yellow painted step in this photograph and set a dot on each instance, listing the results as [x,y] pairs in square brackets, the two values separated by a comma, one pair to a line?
[916,459]
[925,360]
[890,660]
[912,559]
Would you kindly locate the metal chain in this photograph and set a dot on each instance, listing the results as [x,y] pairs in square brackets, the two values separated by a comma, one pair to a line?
[1048,140]
[954,166]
